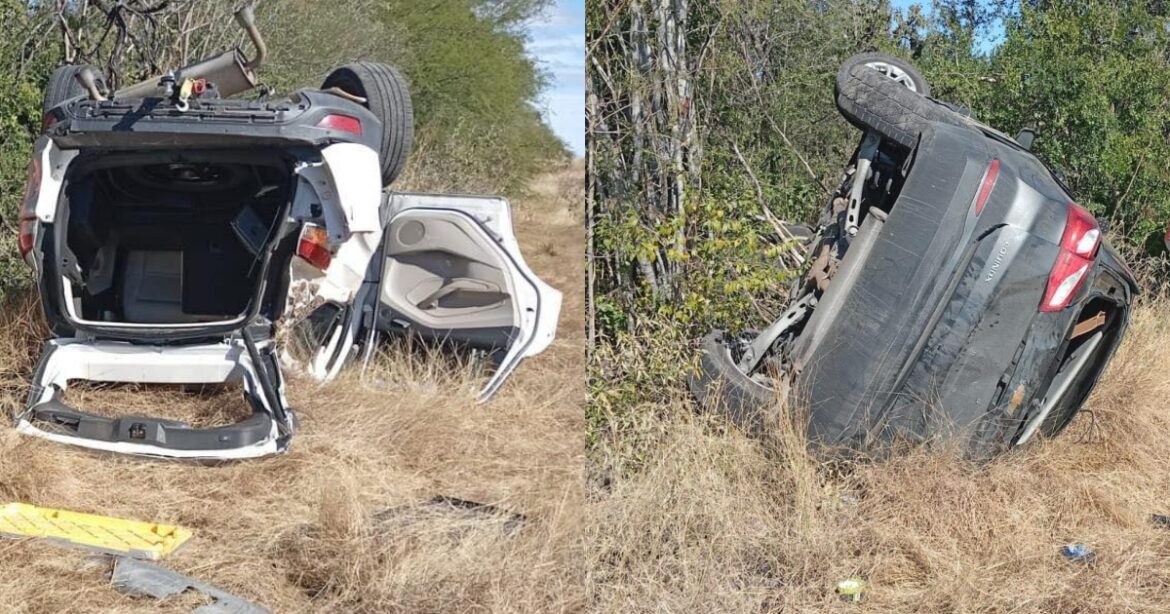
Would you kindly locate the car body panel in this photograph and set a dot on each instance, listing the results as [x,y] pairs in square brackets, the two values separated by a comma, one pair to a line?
[214,123]
[66,360]
[964,288]
[481,225]
[335,183]
[346,185]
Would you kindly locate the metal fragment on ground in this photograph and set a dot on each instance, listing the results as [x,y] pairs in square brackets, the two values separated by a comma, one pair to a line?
[470,512]
[1078,552]
[146,579]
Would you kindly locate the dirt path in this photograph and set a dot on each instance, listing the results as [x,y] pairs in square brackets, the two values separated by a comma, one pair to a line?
[340,523]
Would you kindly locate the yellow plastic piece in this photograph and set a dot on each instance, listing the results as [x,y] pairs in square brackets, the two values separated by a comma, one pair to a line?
[186,89]
[134,538]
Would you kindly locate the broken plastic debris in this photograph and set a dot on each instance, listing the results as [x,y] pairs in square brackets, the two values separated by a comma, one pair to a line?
[851,589]
[145,540]
[1078,552]
[146,579]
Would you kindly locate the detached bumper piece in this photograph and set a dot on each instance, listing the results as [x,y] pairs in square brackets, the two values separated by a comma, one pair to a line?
[144,579]
[239,361]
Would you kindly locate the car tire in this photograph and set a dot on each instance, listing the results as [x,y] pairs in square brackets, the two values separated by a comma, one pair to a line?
[871,101]
[720,386]
[63,85]
[388,97]
[896,69]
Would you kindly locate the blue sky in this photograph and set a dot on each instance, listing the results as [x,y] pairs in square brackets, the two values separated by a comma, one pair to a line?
[557,42]
[986,40]
[905,4]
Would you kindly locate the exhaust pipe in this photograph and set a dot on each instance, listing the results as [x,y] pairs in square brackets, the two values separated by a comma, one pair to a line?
[89,81]
[247,21]
[230,71]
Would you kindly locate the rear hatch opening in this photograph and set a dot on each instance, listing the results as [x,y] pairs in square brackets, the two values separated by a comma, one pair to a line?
[1090,342]
[166,240]
[163,260]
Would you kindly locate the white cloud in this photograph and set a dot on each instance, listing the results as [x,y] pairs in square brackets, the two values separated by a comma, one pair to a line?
[557,43]
[563,15]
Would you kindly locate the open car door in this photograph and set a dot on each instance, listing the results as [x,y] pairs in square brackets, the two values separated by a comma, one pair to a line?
[448,270]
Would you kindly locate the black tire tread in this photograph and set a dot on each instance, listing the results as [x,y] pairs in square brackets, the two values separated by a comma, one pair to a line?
[720,386]
[862,59]
[63,85]
[388,97]
[871,101]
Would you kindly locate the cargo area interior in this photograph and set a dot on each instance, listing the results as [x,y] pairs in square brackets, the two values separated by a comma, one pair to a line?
[1091,341]
[171,238]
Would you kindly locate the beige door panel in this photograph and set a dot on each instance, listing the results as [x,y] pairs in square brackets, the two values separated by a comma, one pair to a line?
[441,274]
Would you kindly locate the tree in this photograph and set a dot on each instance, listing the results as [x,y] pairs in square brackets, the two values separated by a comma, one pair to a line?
[1092,77]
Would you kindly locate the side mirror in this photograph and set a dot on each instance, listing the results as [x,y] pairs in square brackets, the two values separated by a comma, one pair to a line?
[1025,138]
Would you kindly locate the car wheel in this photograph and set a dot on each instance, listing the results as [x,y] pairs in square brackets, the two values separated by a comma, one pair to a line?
[63,85]
[873,101]
[720,385]
[896,69]
[388,97]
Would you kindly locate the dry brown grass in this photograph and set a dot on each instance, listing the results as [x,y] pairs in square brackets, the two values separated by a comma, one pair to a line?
[298,533]
[721,522]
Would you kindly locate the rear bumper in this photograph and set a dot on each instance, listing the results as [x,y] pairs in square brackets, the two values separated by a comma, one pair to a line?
[988,362]
[266,431]
[154,123]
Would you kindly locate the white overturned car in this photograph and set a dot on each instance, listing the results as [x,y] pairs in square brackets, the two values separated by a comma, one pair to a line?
[167,222]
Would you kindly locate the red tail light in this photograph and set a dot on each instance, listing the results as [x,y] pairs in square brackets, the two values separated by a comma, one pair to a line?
[988,184]
[28,235]
[1078,246]
[28,211]
[343,123]
[47,120]
[313,246]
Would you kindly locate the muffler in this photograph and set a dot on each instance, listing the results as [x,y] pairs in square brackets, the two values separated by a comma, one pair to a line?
[231,72]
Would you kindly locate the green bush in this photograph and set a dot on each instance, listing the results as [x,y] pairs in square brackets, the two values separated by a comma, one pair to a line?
[26,66]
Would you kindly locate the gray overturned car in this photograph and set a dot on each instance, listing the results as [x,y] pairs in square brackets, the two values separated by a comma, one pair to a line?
[173,225]
[954,287]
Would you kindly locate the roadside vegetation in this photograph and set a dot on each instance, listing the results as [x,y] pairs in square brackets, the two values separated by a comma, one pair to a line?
[347,520]
[716,521]
[710,121]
